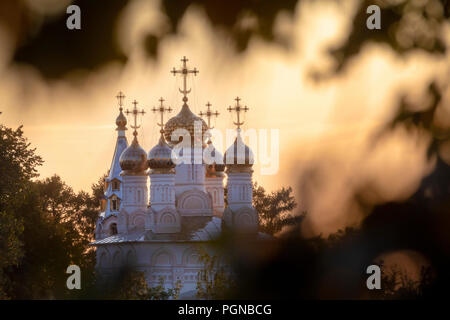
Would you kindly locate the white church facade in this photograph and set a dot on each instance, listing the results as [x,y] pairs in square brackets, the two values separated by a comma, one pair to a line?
[160,206]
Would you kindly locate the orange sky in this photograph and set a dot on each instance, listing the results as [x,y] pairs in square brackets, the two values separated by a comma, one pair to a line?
[326,125]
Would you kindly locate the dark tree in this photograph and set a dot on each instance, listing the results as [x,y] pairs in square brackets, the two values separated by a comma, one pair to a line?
[274,209]
[18,163]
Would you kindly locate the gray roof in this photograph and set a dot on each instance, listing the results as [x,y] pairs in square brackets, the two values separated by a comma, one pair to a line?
[193,229]
[114,171]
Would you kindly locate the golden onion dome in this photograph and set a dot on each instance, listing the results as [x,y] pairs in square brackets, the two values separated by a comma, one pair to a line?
[238,155]
[160,156]
[133,159]
[186,120]
[214,168]
[121,121]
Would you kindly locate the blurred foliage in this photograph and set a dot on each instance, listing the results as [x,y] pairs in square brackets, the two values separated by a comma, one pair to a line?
[405,25]
[397,284]
[239,19]
[36,216]
[129,284]
[44,41]
[215,281]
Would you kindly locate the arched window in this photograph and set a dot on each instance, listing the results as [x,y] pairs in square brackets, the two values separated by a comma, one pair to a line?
[113,229]
[115,203]
[116,185]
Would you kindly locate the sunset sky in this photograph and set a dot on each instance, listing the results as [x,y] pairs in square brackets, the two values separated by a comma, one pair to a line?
[325,128]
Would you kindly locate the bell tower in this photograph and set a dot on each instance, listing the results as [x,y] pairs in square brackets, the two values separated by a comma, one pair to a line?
[240,214]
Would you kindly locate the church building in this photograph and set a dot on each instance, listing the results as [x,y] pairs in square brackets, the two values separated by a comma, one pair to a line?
[160,206]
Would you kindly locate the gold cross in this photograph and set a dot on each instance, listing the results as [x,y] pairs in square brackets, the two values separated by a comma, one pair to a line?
[184,71]
[161,109]
[120,96]
[238,108]
[135,113]
[208,114]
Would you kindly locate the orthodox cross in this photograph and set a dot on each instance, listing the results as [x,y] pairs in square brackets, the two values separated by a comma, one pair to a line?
[161,109]
[135,113]
[238,108]
[184,71]
[208,114]
[120,96]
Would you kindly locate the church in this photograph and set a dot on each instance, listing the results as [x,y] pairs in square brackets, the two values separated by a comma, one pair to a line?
[160,206]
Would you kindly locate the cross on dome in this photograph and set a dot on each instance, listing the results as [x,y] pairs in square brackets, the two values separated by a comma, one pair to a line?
[120,96]
[135,112]
[184,71]
[208,114]
[238,108]
[161,109]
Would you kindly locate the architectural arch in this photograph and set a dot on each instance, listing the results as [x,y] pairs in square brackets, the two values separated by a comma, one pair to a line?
[246,219]
[131,258]
[167,220]
[195,203]
[117,259]
[191,257]
[107,224]
[137,220]
[104,258]
[163,257]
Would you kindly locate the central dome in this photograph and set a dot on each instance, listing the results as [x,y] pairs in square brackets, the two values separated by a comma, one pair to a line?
[188,121]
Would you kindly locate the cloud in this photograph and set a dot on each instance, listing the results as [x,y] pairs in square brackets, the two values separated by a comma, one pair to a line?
[326,128]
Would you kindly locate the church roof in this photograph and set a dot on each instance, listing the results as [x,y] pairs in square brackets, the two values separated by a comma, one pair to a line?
[194,229]
[186,120]
[121,145]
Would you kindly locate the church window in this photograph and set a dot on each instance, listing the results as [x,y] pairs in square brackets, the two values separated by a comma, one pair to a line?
[113,229]
[114,204]
[139,196]
[116,185]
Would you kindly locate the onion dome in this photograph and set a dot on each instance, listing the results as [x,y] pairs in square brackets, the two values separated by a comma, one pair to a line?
[238,155]
[214,169]
[185,119]
[121,121]
[133,159]
[160,156]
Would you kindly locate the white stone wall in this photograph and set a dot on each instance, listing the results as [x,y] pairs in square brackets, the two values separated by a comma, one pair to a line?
[240,190]
[134,192]
[214,186]
[171,261]
[162,190]
[188,177]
